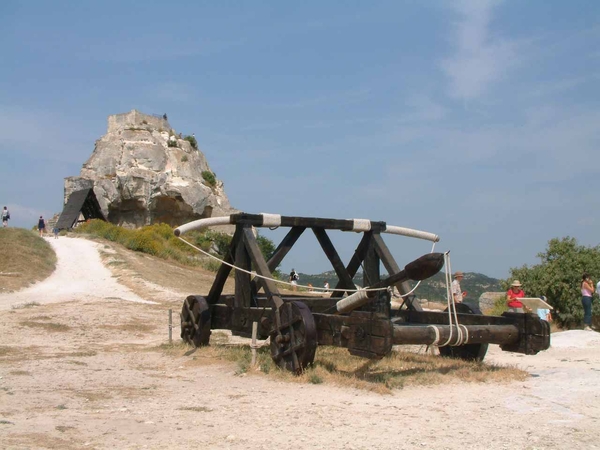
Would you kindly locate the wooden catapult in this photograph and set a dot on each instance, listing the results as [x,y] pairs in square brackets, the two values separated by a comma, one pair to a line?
[360,320]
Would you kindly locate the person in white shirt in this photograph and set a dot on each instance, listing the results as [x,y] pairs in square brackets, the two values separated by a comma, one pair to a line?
[457,294]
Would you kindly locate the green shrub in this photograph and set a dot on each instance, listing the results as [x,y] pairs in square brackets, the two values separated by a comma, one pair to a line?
[209,177]
[184,158]
[192,141]
[500,306]
[159,240]
[172,143]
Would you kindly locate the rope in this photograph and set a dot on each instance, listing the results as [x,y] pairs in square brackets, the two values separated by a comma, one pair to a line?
[452,315]
[254,274]
[437,335]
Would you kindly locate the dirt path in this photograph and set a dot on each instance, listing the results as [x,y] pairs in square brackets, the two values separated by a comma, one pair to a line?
[79,273]
[87,370]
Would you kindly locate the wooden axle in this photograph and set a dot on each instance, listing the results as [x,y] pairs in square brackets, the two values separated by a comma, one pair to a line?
[477,334]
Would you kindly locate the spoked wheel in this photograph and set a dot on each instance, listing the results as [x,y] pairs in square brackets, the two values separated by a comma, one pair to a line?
[468,352]
[195,321]
[293,337]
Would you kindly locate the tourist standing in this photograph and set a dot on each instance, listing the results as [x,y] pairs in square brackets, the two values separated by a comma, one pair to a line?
[5,217]
[587,289]
[457,294]
[294,277]
[41,226]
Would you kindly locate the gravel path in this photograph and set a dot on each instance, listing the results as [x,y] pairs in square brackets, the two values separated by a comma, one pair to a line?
[79,273]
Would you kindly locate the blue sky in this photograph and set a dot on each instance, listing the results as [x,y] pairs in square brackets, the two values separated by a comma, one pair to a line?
[476,120]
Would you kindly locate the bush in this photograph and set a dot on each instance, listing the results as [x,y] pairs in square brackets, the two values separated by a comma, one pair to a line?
[192,141]
[172,143]
[209,177]
[184,158]
[159,240]
[500,306]
[558,277]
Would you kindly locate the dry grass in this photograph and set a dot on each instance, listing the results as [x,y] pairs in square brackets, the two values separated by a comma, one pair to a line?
[25,305]
[26,258]
[337,367]
[5,350]
[48,326]
[195,408]
[131,327]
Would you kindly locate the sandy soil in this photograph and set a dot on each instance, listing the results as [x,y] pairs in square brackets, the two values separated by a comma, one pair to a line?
[85,369]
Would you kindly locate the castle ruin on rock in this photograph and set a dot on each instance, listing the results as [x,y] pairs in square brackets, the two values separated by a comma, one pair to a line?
[143,172]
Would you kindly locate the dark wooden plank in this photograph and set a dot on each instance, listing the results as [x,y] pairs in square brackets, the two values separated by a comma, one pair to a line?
[392,267]
[372,276]
[282,250]
[306,222]
[260,266]
[223,272]
[355,262]
[242,279]
[478,334]
[435,318]
[284,247]
[331,253]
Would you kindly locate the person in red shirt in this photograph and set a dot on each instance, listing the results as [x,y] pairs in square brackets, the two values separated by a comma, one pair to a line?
[513,295]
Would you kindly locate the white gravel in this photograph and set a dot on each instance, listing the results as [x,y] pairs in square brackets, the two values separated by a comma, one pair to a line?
[79,273]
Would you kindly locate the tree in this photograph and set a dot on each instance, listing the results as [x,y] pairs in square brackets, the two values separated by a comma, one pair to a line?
[558,278]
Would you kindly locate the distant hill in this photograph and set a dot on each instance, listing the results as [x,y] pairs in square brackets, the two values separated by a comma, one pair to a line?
[432,289]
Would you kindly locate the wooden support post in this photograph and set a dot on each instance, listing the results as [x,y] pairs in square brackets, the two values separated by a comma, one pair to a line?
[170,326]
[253,346]
[339,267]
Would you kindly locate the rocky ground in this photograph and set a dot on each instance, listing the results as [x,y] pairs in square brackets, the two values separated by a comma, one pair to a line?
[83,365]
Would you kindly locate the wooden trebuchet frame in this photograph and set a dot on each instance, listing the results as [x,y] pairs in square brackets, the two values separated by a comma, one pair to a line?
[363,321]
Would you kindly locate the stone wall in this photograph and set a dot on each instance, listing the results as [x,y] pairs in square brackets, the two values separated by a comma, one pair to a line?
[136,119]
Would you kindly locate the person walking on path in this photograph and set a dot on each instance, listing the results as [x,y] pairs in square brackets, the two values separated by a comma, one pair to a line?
[587,289]
[41,226]
[513,295]
[457,294]
[5,217]
[294,277]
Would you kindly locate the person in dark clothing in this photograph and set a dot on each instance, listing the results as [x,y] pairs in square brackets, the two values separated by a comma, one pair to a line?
[41,226]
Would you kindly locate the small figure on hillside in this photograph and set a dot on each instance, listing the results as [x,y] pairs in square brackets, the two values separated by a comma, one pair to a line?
[55,230]
[587,290]
[310,287]
[326,286]
[457,294]
[5,217]
[41,226]
[165,116]
[294,277]
[513,295]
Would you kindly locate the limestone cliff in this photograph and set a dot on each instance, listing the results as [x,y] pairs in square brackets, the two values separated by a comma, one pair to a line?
[143,172]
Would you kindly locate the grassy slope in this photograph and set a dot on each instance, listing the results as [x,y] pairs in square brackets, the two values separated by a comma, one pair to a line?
[26,258]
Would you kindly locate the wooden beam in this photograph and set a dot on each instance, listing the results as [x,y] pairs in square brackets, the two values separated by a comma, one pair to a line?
[477,334]
[355,262]
[224,270]
[306,222]
[392,267]
[260,266]
[327,246]
[282,250]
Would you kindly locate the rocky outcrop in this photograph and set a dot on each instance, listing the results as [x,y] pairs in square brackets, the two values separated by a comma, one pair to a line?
[143,172]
